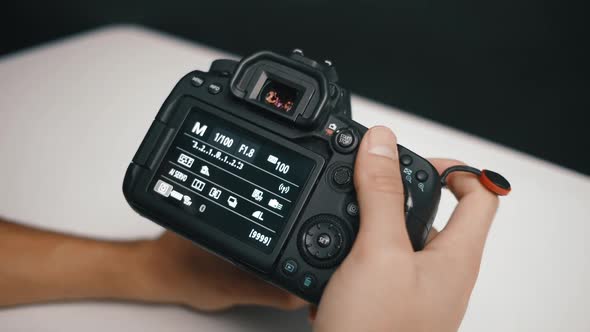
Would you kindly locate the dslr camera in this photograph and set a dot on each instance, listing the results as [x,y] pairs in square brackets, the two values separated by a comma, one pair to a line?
[253,161]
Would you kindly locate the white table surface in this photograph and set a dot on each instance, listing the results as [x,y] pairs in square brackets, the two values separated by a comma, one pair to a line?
[73,112]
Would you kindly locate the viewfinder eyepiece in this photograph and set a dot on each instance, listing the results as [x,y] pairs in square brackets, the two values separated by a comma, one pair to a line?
[280,96]
[293,90]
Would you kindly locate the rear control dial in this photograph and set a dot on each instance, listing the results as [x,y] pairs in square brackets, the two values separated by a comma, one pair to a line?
[324,241]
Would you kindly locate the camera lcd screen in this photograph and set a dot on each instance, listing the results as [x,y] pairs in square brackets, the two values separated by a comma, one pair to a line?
[279,96]
[239,182]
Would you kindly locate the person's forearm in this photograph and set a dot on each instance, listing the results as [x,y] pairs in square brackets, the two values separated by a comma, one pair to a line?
[40,266]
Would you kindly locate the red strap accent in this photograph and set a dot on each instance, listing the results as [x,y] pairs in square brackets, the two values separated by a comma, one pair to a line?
[491,186]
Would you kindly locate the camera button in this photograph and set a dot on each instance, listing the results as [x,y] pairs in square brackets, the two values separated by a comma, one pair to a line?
[214,88]
[406,160]
[342,176]
[421,176]
[197,81]
[333,91]
[324,240]
[307,282]
[352,209]
[345,138]
[290,267]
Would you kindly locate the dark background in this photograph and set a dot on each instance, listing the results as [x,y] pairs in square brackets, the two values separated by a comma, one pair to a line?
[515,72]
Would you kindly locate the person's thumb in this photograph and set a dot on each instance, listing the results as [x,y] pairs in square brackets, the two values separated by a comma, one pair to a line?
[380,191]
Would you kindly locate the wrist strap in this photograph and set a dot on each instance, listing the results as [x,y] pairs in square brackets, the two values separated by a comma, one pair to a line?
[491,180]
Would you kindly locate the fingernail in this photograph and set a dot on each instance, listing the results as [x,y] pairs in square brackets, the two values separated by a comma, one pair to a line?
[382,142]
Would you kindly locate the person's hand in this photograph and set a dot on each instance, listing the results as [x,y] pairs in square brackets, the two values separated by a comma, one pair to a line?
[383,285]
[177,271]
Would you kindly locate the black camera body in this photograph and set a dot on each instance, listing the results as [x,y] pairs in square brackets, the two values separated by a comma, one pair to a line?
[254,160]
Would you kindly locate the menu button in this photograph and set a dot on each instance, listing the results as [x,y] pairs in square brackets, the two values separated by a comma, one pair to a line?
[197,81]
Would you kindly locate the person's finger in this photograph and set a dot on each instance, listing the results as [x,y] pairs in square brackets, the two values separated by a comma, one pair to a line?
[467,229]
[380,191]
[466,183]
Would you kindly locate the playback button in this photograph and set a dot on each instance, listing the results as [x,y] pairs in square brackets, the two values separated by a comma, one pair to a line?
[290,267]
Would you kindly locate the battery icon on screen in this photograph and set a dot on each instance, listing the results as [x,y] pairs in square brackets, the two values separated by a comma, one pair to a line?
[272,159]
